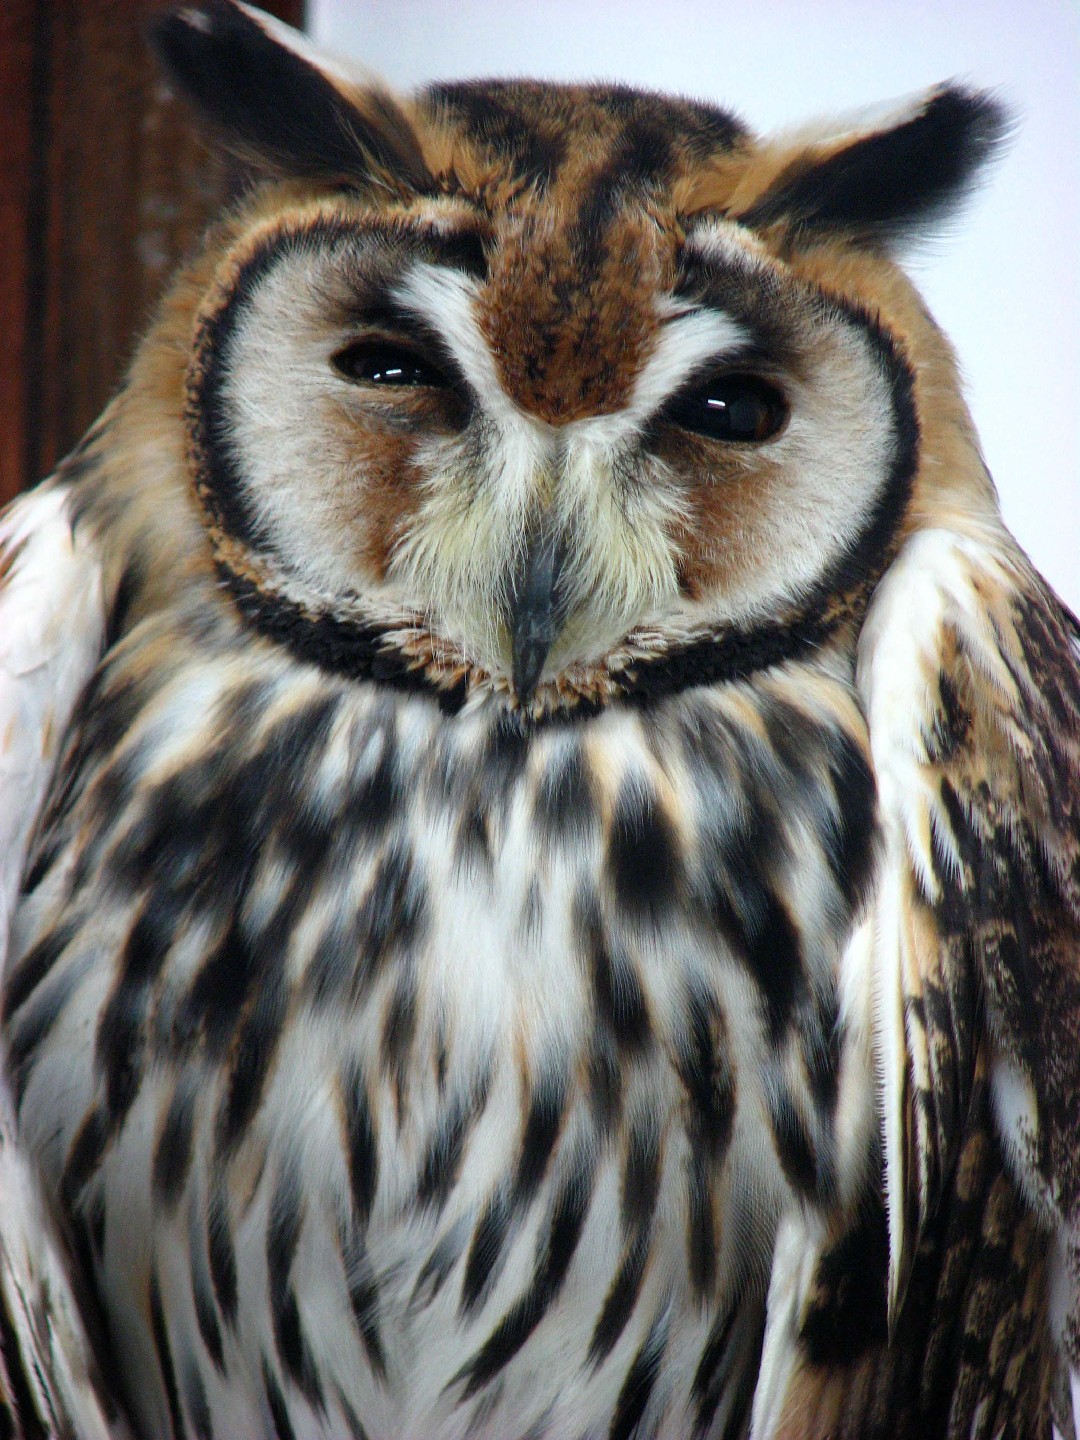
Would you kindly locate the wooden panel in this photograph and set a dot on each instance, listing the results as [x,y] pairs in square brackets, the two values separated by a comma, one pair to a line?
[109,186]
[17,53]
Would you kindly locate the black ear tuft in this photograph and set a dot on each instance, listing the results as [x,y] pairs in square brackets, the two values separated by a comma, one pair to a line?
[885,184]
[274,106]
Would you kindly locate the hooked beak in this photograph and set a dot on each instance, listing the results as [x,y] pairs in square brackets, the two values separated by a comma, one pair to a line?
[535,617]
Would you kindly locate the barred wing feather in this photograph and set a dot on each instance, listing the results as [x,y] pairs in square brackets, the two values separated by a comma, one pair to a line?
[969,673]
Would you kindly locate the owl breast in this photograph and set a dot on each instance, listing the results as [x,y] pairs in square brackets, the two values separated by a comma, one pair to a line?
[429,1078]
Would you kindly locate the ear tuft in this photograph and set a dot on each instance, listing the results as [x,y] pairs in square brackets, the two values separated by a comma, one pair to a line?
[881,186]
[276,105]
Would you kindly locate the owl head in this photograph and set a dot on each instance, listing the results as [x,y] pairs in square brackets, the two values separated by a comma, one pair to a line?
[557,391]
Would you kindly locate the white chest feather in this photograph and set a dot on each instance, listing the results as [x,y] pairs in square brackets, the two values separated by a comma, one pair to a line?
[406,1069]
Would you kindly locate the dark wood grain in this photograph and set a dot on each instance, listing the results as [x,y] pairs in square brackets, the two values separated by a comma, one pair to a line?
[17,24]
[105,186]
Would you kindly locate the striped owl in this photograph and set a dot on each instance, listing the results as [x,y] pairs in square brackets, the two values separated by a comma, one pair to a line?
[541,867]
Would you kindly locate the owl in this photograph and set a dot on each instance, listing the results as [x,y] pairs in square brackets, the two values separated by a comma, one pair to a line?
[541,859]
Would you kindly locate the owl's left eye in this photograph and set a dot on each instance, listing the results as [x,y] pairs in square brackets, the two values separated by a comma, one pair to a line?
[381,362]
[738,408]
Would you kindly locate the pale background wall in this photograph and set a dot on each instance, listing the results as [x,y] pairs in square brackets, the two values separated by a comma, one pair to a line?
[1005,283]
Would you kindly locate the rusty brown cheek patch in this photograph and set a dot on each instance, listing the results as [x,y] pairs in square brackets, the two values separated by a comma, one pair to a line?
[725,505]
[569,316]
[392,489]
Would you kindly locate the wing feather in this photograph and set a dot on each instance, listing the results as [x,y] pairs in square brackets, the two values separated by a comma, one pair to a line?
[968,671]
[52,628]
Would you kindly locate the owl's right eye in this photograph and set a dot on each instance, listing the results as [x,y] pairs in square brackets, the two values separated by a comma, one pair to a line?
[381,362]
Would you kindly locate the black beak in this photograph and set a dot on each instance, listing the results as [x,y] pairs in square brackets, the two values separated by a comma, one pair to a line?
[534,612]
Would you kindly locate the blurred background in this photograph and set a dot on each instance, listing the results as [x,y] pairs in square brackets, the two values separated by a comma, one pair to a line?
[103,185]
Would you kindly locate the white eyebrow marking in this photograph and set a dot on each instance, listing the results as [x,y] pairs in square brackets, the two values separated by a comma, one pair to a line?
[444,298]
[683,344]
[727,243]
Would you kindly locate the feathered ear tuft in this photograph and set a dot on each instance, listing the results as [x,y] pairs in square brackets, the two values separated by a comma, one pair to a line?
[278,104]
[882,185]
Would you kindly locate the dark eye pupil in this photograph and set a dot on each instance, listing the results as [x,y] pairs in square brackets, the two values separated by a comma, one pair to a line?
[737,408]
[378,363]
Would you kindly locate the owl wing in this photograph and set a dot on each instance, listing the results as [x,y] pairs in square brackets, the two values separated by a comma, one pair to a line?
[969,670]
[52,626]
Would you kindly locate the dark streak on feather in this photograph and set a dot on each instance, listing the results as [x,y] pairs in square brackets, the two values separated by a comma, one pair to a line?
[83,1158]
[363,1297]
[282,1239]
[533,153]
[33,1025]
[165,1359]
[196,1404]
[120,1042]
[794,1146]
[640,1379]
[565,805]
[255,1047]
[565,1223]
[640,1189]
[711,1373]
[445,1151]
[486,1250]
[542,1126]
[202,1291]
[220,1250]
[436,1268]
[279,1411]
[617,991]
[704,1065]
[643,860]
[398,1032]
[172,1154]
[361,1148]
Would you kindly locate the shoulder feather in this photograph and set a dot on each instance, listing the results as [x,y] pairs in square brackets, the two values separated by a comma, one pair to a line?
[52,627]
[969,671]
[969,675]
